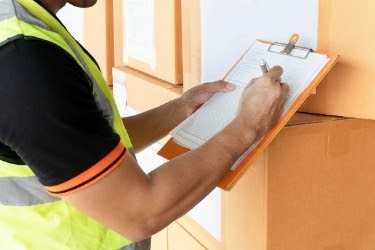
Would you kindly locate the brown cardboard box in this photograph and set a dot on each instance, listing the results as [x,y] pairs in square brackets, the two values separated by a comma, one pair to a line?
[152,44]
[145,92]
[179,239]
[344,28]
[98,35]
[313,188]
[191,43]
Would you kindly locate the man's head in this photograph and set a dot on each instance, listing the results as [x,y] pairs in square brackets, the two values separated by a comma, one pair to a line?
[82,3]
[56,5]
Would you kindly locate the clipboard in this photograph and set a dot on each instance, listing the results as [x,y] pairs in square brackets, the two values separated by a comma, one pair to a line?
[171,149]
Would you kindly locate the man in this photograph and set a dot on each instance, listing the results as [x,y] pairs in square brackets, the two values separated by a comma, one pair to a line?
[68,175]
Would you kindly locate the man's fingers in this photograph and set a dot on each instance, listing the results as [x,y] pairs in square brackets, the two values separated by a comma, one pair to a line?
[284,88]
[219,86]
[275,73]
[284,92]
[252,81]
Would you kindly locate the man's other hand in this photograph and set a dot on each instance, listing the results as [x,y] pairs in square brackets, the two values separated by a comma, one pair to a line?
[198,95]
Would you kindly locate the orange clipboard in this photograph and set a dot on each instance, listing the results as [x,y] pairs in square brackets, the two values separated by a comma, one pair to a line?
[172,149]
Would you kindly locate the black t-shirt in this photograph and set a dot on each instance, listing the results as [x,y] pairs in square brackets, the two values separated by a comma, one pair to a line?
[48,116]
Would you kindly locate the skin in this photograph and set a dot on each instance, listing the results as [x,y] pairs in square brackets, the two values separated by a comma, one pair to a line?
[56,5]
[137,205]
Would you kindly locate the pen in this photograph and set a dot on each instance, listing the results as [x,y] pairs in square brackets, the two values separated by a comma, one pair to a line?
[264,66]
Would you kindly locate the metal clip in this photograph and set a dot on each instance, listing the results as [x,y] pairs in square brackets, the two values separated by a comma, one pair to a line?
[292,43]
[290,49]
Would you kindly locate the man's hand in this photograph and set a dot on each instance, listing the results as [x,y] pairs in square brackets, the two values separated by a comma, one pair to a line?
[198,95]
[263,101]
[147,128]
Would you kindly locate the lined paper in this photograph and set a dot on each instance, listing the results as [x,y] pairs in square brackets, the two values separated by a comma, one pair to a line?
[215,114]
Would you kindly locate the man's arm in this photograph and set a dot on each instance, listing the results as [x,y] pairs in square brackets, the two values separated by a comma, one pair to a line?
[152,125]
[138,205]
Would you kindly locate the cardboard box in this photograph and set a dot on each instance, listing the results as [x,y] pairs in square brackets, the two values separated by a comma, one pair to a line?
[98,35]
[145,92]
[313,188]
[150,35]
[349,89]
[179,239]
[191,43]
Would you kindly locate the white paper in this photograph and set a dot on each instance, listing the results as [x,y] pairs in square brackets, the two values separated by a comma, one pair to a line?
[73,19]
[229,26]
[139,31]
[215,114]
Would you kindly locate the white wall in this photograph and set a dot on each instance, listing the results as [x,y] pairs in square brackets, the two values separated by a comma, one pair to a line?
[72,17]
[230,26]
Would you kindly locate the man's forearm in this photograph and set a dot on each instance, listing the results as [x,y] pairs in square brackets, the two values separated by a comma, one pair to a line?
[140,205]
[152,125]
[182,182]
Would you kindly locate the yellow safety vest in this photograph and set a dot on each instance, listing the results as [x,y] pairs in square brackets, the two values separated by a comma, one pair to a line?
[29,217]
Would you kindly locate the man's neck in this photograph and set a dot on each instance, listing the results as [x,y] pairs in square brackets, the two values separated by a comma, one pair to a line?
[53,5]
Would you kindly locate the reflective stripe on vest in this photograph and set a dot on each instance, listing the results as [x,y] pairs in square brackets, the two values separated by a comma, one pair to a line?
[20,187]
[24,203]
[16,196]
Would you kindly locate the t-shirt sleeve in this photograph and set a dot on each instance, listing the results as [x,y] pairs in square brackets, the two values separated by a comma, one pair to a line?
[49,117]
